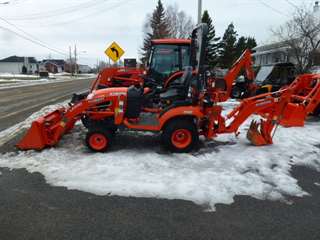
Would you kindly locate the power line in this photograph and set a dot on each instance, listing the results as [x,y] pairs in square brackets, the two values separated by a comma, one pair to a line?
[291,3]
[273,9]
[28,34]
[95,13]
[59,12]
[31,40]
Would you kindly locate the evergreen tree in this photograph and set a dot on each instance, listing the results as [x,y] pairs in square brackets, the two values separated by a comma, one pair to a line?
[251,43]
[159,28]
[212,41]
[245,43]
[241,46]
[228,50]
[145,50]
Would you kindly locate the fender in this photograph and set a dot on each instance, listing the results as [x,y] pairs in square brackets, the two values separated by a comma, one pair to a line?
[173,77]
[183,111]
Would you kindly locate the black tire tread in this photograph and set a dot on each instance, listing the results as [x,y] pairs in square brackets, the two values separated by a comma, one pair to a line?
[179,124]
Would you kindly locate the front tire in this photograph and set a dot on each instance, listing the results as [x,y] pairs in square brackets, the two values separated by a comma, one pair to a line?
[98,140]
[180,136]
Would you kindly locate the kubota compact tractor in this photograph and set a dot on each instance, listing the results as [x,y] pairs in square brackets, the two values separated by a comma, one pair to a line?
[186,110]
[165,64]
[166,57]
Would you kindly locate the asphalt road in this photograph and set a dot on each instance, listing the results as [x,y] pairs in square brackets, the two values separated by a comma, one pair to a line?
[18,103]
[32,209]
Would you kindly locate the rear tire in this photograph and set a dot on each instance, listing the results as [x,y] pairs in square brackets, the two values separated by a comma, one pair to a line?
[180,135]
[98,140]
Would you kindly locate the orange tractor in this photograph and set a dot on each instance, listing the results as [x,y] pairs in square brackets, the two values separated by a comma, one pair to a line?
[186,110]
[165,64]
[167,57]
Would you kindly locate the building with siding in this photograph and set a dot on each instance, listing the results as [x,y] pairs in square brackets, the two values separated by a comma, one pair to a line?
[19,65]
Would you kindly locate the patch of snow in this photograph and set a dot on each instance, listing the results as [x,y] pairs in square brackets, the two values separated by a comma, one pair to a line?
[138,166]
[17,76]
[317,184]
[15,83]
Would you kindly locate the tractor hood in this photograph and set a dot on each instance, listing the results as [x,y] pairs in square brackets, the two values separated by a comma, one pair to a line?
[108,92]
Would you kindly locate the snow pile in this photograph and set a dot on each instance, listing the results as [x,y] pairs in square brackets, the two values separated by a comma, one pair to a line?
[138,166]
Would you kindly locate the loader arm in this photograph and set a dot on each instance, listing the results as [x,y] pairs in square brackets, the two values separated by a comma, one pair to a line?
[306,90]
[273,108]
[269,106]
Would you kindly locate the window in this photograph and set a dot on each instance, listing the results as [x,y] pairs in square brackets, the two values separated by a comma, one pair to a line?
[185,55]
[165,59]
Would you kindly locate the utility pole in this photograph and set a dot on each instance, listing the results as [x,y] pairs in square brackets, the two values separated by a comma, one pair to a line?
[70,61]
[75,60]
[199,11]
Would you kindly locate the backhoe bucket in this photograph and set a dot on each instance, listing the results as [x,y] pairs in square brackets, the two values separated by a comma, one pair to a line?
[259,134]
[42,131]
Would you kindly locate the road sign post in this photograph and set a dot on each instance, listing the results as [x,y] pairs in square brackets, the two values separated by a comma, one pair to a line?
[114,52]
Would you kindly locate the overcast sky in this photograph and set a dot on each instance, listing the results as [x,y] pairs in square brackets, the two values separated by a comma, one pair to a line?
[94,24]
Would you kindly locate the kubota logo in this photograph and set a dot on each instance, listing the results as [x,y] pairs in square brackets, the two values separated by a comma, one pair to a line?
[188,112]
[117,94]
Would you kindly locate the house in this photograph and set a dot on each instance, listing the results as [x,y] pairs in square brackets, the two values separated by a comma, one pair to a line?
[19,65]
[52,65]
[84,68]
[279,52]
[70,66]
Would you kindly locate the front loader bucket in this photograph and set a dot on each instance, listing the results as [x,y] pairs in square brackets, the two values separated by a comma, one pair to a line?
[294,115]
[42,132]
[259,134]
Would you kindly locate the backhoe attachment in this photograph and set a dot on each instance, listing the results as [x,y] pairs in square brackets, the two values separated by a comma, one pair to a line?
[259,134]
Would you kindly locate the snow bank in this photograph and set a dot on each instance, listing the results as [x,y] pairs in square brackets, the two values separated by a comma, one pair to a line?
[54,78]
[138,166]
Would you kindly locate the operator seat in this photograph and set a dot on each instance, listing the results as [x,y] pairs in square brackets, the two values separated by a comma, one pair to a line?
[134,102]
[179,91]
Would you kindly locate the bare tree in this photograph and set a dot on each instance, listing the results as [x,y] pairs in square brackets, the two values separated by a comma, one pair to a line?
[180,23]
[302,35]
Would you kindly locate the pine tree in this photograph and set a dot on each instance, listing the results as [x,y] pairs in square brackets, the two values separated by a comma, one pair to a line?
[251,43]
[145,50]
[159,29]
[245,43]
[228,53]
[212,41]
[241,46]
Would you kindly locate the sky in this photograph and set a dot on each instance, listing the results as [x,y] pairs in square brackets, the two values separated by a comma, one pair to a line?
[92,25]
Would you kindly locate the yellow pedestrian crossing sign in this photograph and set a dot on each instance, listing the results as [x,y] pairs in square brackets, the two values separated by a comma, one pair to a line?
[114,52]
